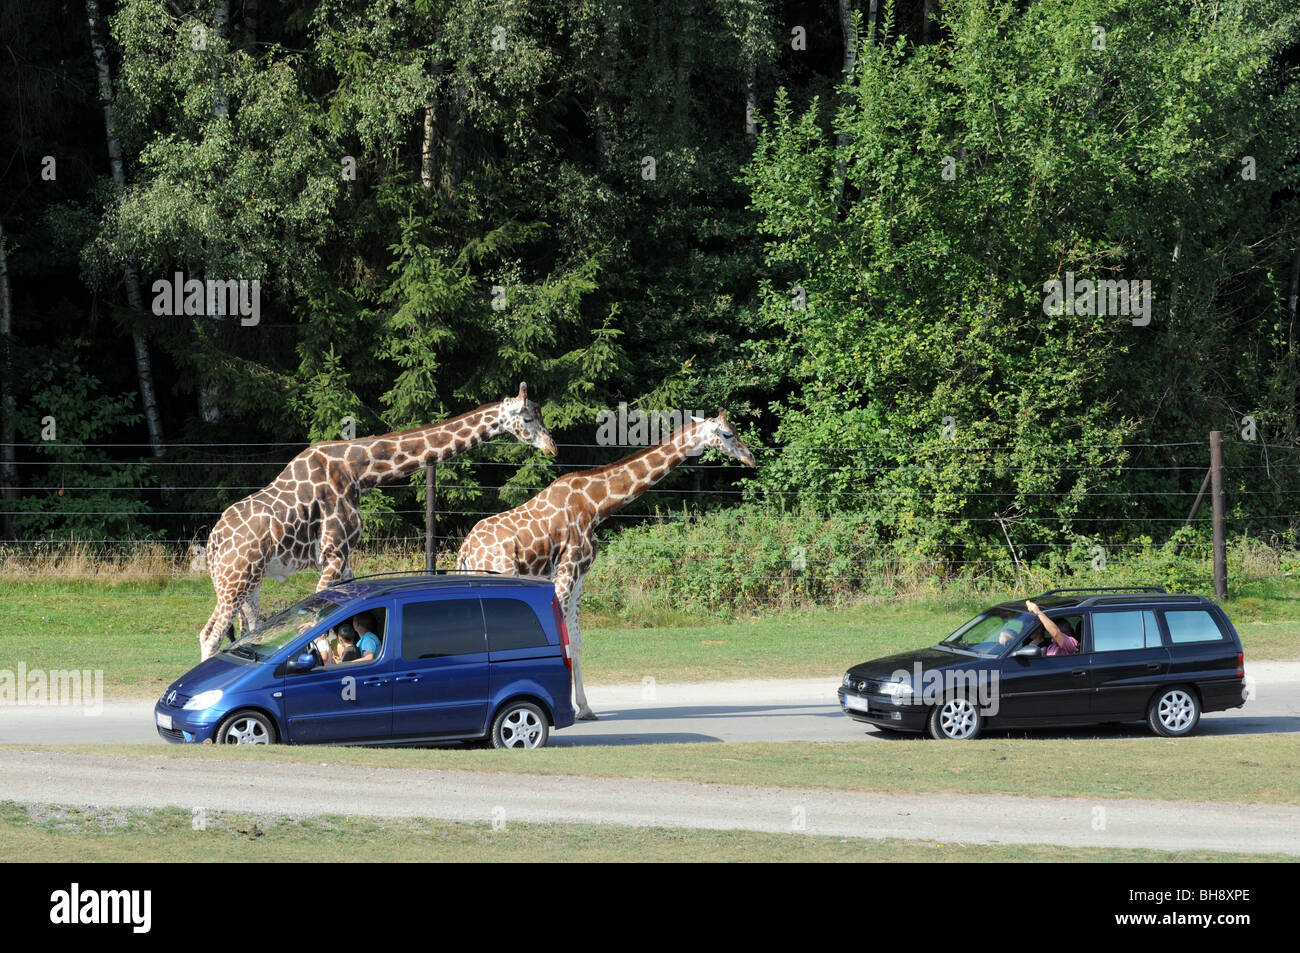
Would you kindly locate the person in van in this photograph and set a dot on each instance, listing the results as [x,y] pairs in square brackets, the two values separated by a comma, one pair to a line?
[346,650]
[1061,632]
[368,643]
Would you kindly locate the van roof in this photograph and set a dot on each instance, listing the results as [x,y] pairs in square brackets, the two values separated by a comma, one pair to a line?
[1085,601]
[382,585]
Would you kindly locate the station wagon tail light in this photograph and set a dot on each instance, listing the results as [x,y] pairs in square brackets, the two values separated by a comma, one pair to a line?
[1241,661]
[564,635]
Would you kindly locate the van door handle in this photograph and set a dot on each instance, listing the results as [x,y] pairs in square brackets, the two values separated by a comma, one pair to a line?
[1152,666]
[1079,671]
[375,681]
[407,678]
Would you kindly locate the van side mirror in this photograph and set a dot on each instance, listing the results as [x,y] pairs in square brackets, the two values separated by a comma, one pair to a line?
[303,663]
[1027,651]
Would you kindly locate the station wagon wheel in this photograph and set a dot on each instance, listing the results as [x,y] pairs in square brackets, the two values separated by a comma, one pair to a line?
[520,725]
[1174,712]
[958,718]
[246,728]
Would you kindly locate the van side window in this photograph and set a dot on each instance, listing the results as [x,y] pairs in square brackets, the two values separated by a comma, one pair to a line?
[440,628]
[1192,625]
[1119,631]
[512,624]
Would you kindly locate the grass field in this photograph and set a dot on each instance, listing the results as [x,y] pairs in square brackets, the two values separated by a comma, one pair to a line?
[50,833]
[143,632]
[1240,768]
[74,835]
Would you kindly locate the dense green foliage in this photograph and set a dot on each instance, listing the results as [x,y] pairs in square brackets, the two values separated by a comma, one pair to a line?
[443,197]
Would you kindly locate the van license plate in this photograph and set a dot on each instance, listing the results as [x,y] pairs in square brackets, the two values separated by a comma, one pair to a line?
[856,703]
[164,721]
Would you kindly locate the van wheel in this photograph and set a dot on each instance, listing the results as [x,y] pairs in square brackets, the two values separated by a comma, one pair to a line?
[1174,712]
[520,725]
[246,728]
[958,719]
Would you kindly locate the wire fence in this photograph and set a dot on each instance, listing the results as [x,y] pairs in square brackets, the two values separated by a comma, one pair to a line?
[144,492]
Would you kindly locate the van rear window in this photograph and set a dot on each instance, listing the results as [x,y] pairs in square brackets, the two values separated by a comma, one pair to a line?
[443,627]
[512,624]
[1192,625]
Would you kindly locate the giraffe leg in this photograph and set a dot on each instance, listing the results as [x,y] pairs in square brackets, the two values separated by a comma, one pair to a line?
[248,614]
[217,625]
[334,565]
[572,592]
[230,602]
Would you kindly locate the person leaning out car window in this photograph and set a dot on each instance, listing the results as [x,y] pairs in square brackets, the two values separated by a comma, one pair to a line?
[1063,641]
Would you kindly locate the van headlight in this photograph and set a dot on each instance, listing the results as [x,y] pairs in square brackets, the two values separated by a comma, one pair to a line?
[896,689]
[203,700]
[847,681]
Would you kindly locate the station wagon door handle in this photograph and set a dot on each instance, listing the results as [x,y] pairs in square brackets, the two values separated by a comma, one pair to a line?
[374,681]
[407,678]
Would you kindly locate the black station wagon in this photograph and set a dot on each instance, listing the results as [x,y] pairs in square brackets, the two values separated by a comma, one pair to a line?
[1142,654]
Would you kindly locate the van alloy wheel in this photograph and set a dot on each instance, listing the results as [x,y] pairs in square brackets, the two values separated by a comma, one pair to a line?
[1174,712]
[957,718]
[520,725]
[246,728]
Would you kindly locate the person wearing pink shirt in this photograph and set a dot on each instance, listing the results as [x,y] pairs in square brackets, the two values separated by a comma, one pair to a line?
[1063,641]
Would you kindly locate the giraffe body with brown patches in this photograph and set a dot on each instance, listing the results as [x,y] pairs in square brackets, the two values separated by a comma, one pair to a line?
[308,517]
[554,534]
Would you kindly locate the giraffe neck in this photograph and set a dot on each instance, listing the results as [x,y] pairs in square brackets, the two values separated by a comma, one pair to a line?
[627,479]
[396,456]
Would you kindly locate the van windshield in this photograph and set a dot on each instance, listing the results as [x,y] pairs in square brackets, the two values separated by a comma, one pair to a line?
[273,634]
[989,632]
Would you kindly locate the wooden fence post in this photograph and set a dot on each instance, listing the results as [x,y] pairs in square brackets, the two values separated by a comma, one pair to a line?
[430,517]
[1220,528]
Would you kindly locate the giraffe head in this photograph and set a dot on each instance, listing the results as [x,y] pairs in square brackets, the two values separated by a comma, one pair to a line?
[717,433]
[523,418]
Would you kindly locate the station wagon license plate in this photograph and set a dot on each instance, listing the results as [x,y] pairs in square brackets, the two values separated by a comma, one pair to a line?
[164,721]
[856,703]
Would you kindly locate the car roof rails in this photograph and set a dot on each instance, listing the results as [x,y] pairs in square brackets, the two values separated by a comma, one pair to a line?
[1057,592]
[418,572]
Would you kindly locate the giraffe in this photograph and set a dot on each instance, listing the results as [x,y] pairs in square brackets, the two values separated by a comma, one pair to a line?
[308,518]
[554,533]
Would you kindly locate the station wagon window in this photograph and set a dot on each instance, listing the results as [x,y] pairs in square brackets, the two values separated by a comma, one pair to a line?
[1192,625]
[512,624]
[441,628]
[1120,631]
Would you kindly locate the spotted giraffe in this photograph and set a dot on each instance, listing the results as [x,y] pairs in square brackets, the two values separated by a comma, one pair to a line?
[554,533]
[308,517]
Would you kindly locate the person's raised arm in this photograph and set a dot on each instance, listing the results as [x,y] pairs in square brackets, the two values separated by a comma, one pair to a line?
[1051,627]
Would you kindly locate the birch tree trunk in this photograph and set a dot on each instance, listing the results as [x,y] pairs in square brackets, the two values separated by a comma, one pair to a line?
[143,365]
[847,9]
[209,396]
[8,471]
[428,167]
[605,93]
[1292,300]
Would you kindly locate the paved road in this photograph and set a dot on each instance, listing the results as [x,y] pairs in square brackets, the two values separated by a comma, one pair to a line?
[793,710]
[36,776]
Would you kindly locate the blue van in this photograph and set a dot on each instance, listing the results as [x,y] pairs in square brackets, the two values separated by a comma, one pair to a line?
[457,657]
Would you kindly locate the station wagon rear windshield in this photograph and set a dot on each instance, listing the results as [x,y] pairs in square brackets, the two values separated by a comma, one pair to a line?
[273,634]
[989,633]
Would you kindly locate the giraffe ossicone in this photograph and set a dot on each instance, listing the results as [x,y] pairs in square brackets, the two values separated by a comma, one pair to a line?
[307,518]
[554,533]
